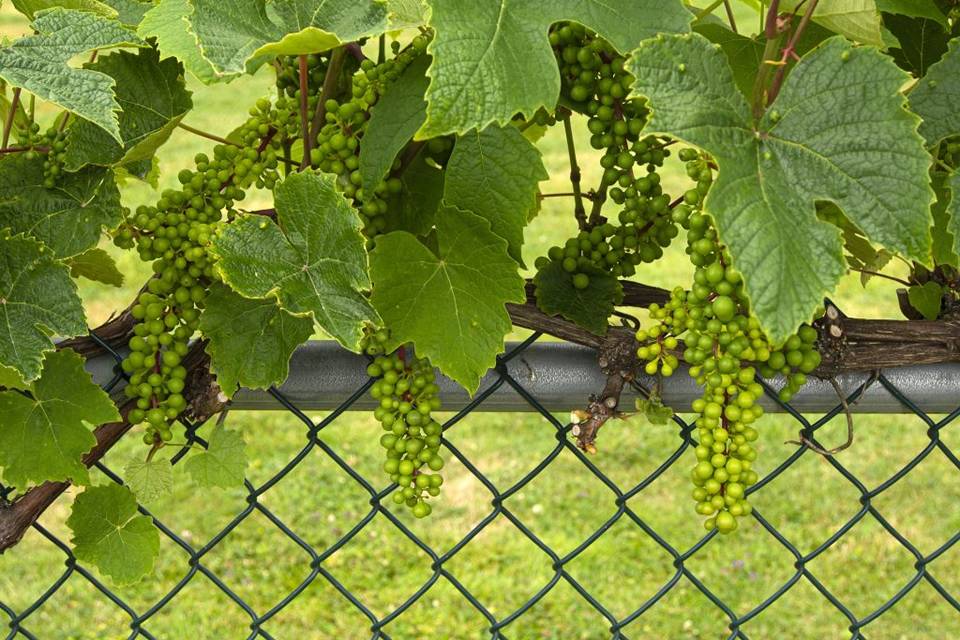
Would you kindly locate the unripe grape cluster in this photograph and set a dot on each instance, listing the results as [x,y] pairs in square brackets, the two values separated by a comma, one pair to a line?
[594,75]
[725,347]
[407,393]
[52,145]
[174,235]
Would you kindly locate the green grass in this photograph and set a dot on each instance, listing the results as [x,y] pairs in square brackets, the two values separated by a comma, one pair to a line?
[563,506]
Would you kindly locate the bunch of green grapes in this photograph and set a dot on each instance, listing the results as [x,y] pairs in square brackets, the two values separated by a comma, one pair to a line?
[52,145]
[594,76]
[725,348]
[407,392]
[174,235]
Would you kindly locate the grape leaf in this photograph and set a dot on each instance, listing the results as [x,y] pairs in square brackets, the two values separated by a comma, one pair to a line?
[588,307]
[153,99]
[914,9]
[654,410]
[44,437]
[936,98]
[393,121]
[744,54]
[223,463]
[37,296]
[10,378]
[130,12]
[311,26]
[97,265]
[492,60]
[943,236]
[108,533]
[236,36]
[250,341]
[922,42]
[953,211]
[407,14]
[67,218]
[312,260]
[856,19]
[149,479]
[38,63]
[169,22]
[926,299]
[414,209]
[30,8]
[837,132]
[450,305]
[495,174]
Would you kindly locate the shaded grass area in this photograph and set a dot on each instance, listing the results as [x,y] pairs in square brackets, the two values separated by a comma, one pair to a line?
[562,506]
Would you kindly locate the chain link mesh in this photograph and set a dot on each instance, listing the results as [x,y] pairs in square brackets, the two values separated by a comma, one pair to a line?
[438,563]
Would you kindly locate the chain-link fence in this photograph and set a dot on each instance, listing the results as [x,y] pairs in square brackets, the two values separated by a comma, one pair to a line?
[616,510]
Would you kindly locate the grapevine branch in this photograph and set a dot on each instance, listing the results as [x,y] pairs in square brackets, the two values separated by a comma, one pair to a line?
[8,125]
[578,210]
[328,90]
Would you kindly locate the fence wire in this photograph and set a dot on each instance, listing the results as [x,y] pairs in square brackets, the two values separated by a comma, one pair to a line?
[19,620]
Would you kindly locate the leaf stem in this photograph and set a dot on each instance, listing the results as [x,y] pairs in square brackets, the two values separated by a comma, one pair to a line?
[730,18]
[882,275]
[382,49]
[328,90]
[703,13]
[8,125]
[304,117]
[772,31]
[790,51]
[23,149]
[206,134]
[579,212]
[565,194]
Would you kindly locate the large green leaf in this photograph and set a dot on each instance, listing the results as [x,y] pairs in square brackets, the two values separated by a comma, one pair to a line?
[237,35]
[936,98]
[953,210]
[744,54]
[914,9]
[588,307]
[838,132]
[250,341]
[108,533]
[169,22]
[43,436]
[149,479]
[38,63]
[492,60]
[223,463]
[450,305]
[312,259]
[495,174]
[30,8]
[68,218]
[153,99]
[414,209]
[37,297]
[393,121]
[856,19]
[922,42]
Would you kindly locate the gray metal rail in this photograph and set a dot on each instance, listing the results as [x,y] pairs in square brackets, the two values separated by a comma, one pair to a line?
[562,376]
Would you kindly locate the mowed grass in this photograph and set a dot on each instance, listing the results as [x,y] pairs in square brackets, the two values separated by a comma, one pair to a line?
[562,506]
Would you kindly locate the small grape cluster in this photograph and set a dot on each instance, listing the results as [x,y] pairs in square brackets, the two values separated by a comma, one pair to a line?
[594,75]
[407,392]
[338,142]
[175,235]
[725,348]
[52,145]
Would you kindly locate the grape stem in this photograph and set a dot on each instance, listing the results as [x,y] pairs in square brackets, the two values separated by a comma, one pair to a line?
[206,134]
[790,51]
[773,31]
[304,117]
[882,275]
[23,149]
[730,18]
[703,13]
[328,90]
[579,212]
[8,125]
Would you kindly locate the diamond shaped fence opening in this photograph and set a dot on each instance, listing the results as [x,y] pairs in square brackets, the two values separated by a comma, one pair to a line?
[531,537]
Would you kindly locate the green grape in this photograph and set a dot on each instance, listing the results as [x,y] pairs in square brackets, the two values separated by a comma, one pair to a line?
[725,348]
[407,392]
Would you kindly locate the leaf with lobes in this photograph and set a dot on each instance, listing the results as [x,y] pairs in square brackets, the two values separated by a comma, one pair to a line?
[837,132]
